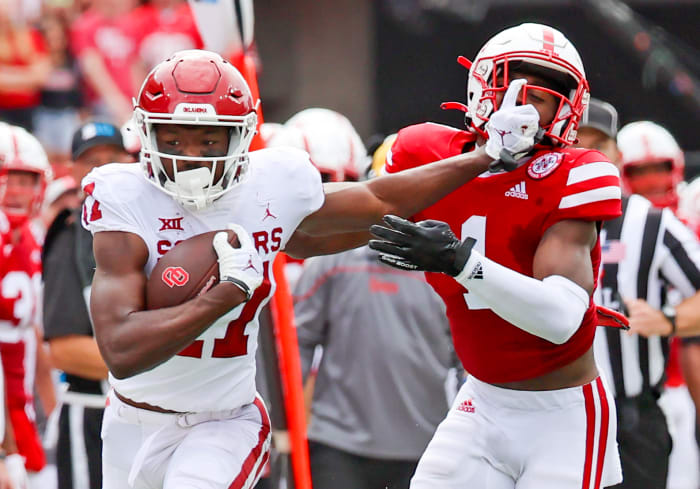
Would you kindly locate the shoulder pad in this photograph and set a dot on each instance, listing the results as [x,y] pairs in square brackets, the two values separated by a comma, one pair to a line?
[424,143]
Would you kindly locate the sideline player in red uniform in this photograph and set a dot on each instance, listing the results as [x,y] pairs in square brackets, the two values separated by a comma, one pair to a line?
[518,281]
[24,173]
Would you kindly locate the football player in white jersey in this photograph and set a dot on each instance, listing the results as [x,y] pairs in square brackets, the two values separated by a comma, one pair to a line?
[183,411]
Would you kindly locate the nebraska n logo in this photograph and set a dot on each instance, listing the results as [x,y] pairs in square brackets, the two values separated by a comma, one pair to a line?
[518,191]
[175,223]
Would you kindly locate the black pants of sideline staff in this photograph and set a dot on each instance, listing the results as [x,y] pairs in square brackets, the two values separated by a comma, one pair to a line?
[336,469]
[79,448]
[645,443]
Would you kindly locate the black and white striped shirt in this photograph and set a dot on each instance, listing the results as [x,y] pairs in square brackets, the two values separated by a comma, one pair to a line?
[646,253]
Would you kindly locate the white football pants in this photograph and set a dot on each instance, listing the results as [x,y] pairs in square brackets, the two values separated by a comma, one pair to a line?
[495,438]
[212,450]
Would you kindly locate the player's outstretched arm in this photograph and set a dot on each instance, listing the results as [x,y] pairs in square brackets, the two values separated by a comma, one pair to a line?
[130,338]
[550,304]
[302,245]
[351,208]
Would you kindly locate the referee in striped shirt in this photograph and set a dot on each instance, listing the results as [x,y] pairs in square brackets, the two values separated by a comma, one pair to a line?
[647,252]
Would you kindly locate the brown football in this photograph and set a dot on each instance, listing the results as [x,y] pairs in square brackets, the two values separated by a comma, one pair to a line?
[184,271]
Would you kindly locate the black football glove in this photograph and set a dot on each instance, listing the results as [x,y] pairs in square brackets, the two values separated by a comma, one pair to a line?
[429,246]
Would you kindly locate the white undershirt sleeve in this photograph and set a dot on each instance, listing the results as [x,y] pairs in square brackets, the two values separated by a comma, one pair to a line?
[551,308]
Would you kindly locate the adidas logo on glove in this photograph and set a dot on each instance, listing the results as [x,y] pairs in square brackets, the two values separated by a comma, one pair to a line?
[517,191]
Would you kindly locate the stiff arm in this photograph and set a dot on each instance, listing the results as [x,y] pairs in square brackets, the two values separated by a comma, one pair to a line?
[350,209]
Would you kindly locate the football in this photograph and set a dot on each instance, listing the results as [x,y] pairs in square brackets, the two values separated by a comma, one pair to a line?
[186,269]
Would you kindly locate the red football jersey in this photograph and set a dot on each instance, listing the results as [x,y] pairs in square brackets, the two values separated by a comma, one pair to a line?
[20,309]
[508,213]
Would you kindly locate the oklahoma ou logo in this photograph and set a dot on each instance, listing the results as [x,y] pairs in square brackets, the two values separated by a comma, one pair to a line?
[175,276]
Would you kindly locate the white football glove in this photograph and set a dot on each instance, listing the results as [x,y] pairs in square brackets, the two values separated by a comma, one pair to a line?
[241,266]
[512,127]
[14,464]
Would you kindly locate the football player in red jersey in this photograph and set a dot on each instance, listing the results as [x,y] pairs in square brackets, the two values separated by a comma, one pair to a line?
[516,256]
[24,173]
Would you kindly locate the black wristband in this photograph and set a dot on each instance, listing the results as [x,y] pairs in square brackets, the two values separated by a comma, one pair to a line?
[240,284]
[672,319]
[670,315]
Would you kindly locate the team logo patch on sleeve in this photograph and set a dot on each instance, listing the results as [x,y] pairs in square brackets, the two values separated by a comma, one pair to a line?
[544,165]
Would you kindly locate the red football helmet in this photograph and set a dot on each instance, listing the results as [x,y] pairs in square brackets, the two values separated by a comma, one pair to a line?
[529,48]
[21,152]
[196,87]
[646,144]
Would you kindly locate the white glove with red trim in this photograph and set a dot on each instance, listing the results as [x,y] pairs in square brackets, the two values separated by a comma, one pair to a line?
[512,127]
[241,266]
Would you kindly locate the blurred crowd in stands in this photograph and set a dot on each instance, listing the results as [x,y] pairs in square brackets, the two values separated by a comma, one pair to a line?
[65,61]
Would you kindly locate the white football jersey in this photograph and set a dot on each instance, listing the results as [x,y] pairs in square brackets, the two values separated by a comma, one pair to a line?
[217,371]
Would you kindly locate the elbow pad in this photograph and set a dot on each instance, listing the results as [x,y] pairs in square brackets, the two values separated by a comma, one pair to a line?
[552,308]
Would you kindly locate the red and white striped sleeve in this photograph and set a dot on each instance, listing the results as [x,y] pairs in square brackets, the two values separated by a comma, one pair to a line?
[591,192]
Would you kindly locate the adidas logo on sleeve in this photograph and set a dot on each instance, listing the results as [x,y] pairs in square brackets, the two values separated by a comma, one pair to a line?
[518,191]
[477,272]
